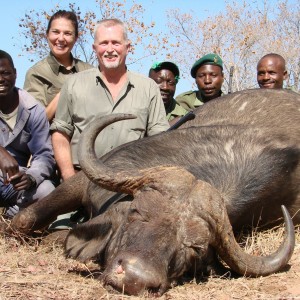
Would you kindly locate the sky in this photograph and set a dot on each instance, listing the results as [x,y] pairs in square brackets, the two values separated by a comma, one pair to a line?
[155,10]
[12,11]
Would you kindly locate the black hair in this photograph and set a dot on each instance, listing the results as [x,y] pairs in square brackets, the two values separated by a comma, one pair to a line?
[4,54]
[275,55]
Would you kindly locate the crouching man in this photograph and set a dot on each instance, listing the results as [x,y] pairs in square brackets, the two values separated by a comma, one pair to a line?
[26,155]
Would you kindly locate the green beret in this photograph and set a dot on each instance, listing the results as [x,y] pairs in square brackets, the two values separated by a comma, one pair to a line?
[208,59]
[167,65]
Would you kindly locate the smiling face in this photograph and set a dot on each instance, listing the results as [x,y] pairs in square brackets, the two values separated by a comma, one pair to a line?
[209,79]
[271,72]
[8,77]
[61,38]
[166,81]
[111,46]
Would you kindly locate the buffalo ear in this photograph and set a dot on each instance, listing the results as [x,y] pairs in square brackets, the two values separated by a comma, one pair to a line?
[87,241]
[198,239]
[197,234]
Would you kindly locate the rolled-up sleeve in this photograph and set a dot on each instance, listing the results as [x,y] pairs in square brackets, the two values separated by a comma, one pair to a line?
[62,121]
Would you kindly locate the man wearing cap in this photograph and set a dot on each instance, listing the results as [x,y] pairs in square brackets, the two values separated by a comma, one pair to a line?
[166,75]
[209,77]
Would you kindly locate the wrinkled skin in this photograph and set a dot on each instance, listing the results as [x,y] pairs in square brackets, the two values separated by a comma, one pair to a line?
[236,158]
[141,225]
[183,248]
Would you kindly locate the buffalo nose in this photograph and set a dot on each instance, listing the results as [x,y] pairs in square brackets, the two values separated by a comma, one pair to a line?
[134,276]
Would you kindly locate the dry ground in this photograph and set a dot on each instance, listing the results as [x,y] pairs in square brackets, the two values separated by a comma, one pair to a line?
[29,270]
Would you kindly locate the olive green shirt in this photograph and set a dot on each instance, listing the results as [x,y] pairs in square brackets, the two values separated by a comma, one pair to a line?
[84,97]
[45,79]
[190,100]
[174,110]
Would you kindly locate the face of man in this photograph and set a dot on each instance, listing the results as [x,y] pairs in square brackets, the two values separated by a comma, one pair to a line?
[7,77]
[111,47]
[271,73]
[209,79]
[166,82]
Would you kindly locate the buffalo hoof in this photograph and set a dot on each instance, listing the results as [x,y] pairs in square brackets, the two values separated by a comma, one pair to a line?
[55,238]
[24,221]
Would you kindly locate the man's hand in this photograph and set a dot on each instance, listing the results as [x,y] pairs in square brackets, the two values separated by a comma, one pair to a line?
[8,165]
[22,181]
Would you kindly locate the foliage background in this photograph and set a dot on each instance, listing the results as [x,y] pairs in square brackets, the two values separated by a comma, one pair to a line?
[182,31]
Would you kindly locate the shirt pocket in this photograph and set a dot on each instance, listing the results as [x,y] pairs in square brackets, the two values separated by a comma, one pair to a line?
[138,126]
[19,148]
[23,139]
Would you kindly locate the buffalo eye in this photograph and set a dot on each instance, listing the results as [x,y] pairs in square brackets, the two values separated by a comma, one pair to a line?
[134,215]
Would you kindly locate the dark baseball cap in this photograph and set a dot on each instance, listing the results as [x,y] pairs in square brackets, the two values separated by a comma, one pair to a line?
[157,66]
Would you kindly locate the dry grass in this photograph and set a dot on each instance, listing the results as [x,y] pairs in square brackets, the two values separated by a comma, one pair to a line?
[30,270]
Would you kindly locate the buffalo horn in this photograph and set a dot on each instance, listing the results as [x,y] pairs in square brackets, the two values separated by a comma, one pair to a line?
[94,168]
[250,265]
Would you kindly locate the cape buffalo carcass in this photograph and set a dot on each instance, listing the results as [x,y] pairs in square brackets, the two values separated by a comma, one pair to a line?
[164,205]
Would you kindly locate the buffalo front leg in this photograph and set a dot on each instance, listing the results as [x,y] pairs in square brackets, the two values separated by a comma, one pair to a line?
[65,198]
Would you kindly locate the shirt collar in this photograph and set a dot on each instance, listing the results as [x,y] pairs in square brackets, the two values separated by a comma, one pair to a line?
[130,79]
[171,106]
[56,67]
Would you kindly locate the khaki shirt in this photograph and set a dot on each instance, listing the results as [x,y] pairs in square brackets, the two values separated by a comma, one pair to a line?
[85,96]
[175,110]
[45,79]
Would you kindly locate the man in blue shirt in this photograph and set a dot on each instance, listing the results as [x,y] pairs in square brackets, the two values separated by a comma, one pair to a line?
[26,155]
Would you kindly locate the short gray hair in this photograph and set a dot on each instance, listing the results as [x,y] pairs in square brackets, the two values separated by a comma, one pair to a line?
[111,23]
